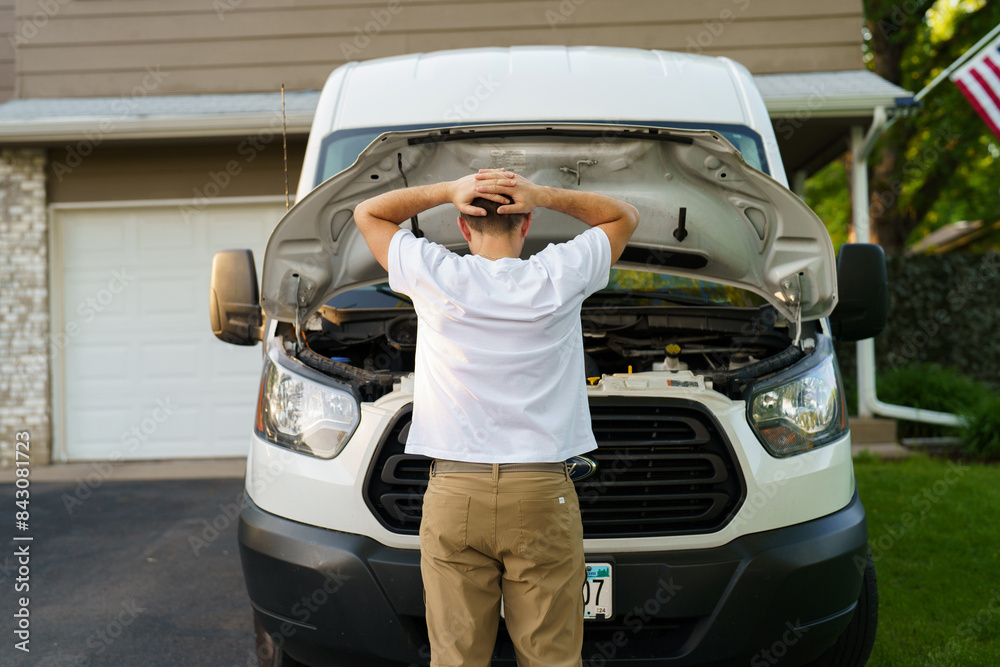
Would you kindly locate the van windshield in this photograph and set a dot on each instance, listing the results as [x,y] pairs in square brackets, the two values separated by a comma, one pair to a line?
[642,288]
[625,288]
[340,149]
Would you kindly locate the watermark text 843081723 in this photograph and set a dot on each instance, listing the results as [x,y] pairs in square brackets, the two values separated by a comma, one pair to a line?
[22,546]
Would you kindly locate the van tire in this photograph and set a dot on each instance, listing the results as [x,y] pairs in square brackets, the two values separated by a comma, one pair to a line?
[854,645]
[268,655]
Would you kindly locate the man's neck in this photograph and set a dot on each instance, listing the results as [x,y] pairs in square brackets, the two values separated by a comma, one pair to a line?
[497,247]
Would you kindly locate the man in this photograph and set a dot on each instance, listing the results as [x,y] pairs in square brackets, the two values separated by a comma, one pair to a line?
[500,403]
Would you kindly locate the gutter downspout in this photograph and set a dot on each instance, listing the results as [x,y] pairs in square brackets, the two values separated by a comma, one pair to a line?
[868,402]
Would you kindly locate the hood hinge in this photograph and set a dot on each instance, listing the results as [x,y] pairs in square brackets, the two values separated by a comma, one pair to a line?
[792,288]
[298,315]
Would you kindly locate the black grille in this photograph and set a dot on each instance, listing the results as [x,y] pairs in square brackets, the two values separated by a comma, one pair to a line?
[663,468]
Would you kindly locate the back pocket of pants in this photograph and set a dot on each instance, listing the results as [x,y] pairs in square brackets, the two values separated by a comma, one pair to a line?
[444,524]
[548,528]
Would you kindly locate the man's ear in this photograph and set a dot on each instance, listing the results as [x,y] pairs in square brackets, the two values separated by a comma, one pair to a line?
[525,224]
[463,226]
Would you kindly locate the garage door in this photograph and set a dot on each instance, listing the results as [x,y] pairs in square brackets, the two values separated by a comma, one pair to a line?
[142,376]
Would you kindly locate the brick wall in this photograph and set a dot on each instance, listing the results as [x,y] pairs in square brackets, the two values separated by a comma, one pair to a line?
[24,305]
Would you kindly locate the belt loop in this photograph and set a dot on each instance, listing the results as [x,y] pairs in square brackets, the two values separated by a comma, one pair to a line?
[431,469]
[496,471]
[566,471]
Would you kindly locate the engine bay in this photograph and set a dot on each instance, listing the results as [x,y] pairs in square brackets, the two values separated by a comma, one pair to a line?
[371,347]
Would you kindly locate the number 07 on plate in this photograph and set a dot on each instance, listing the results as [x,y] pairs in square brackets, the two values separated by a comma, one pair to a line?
[597,591]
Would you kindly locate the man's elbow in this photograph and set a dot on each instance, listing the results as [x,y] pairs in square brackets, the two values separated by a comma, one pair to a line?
[632,217]
[361,215]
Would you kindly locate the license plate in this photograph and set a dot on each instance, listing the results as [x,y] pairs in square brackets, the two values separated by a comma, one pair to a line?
[597,591]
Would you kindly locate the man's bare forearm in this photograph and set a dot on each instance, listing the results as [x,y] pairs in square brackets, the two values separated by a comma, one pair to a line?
[590,207]
[398,206]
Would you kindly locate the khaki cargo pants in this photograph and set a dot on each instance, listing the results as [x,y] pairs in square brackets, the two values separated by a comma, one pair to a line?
[510,528]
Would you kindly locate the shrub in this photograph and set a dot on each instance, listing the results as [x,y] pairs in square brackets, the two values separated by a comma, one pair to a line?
[930,387]
[942,310]
[850,392]
[980,430]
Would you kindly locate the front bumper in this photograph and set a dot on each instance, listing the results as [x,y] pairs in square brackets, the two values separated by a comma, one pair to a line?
[333,598]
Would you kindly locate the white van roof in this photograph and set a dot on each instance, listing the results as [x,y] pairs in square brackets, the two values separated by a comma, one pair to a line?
[534,82]
[541,83]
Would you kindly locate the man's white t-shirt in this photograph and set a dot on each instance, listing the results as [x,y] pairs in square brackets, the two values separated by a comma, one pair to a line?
[499,374]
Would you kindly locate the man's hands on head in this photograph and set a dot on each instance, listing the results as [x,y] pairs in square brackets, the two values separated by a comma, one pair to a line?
[379,218]
[467,188]
[616,218]
[526,195]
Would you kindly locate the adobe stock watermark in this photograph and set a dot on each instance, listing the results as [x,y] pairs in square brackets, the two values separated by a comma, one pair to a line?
[223,7]
[549,544]
[759,499]
[229,512]
[121,108]
[884,199]
[99,641]
[302,612]
[96,303]
[928,328]
[922,502]
[218,180]
[29,27]
[712,29]
[966,632]
[635,620]
[363,35]
[901,13]
[786,126]
[563,11]
[481,433]
[130,439]
[212,529]
[463,109]
[87,310]
[773,654]
[459,625]
[592,489]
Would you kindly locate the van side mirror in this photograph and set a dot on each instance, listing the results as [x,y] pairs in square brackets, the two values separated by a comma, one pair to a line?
[863,290]
[234,299]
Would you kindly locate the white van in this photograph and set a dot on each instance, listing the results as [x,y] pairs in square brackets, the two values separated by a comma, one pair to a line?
[721,517]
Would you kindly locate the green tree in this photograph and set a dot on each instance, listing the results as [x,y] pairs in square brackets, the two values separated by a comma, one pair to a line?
[939,165]
[828,195]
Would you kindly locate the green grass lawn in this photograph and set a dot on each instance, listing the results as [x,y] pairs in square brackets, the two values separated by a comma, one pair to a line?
[934,531]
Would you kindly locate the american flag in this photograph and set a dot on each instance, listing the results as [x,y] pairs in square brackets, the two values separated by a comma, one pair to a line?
[979,80]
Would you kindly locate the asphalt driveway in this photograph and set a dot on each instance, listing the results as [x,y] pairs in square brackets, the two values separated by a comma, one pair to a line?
[130,573]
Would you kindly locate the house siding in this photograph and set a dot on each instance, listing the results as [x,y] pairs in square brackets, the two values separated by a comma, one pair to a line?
[193,172]
[106,48]
[7,50]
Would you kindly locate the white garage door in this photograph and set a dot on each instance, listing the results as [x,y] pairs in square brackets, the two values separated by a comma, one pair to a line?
[142,375]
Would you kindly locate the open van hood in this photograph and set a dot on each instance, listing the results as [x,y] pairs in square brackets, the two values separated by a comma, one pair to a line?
[741,227]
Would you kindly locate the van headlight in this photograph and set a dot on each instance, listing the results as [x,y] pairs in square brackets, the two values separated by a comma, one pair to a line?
[795,415]
[303,415]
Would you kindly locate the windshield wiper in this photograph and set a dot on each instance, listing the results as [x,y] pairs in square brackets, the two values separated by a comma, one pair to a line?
[684,299]
[385,289]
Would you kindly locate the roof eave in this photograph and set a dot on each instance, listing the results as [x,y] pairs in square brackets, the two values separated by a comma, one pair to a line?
[786,107]
[151,127]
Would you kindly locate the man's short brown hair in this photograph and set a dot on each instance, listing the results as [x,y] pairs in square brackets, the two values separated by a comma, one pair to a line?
[493,223]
